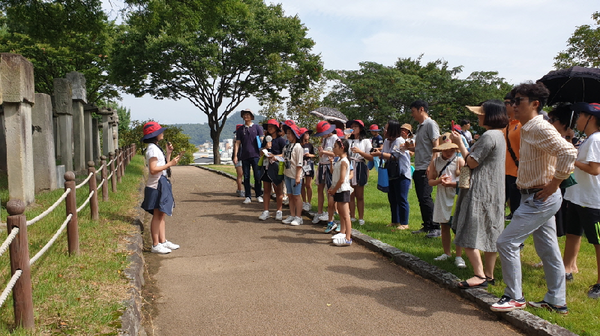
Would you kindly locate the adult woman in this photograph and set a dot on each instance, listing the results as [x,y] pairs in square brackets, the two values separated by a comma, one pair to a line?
[359,151]
[271,172]
[309,168]
[393,149]
[479,215]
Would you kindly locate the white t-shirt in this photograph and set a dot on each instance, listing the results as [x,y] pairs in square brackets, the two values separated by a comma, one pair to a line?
[327,145]
[364,145]
[295,157]
[585,192]
[337,171]
[154,151]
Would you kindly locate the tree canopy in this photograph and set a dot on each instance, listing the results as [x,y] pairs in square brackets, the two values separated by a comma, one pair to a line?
[249,49]
[58,37]
[583,47]
[376,93]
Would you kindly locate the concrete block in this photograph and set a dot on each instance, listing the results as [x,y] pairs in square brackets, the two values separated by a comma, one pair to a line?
[79,137]
[96,141]
[43,143]
[65,125]
[16,79]
[62,102]
[78,88]
[17,123]
[60,175]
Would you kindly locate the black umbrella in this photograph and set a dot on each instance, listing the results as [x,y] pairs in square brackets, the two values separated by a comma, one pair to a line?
[332,115]
[572,85]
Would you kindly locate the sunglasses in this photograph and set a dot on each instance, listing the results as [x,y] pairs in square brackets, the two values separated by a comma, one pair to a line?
[518,100]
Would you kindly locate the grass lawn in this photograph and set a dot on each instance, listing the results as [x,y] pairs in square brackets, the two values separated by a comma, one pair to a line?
[584,313]
[78,295]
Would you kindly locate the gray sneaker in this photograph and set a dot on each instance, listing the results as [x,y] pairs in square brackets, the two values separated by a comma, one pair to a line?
[435,233]
[594,291]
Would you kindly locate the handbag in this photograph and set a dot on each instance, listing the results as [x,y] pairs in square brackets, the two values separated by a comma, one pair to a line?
[383,182]
[464,179]
[393,168]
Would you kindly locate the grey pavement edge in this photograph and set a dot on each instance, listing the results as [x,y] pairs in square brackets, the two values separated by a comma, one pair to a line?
[525,321]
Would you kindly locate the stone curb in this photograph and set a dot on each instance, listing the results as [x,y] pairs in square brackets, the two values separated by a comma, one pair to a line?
[131,320]
[527,322]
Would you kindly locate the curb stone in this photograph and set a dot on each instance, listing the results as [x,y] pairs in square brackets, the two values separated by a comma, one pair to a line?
[525,321]
[131,320]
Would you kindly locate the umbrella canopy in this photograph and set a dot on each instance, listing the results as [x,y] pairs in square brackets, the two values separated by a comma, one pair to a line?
[572,85]
[332,115]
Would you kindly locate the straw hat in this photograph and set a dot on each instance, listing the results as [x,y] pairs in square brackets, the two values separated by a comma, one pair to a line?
[444,146]
[407,127]
[476,109]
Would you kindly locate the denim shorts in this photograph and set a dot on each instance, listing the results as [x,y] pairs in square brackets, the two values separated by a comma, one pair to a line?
[291,189]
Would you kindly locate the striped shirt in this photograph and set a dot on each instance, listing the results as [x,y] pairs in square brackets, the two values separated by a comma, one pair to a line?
[544,154]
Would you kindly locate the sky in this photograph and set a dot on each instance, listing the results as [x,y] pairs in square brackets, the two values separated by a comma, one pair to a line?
[517,38]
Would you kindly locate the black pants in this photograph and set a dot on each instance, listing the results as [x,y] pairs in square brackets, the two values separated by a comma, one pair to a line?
[424,190]
[512,193]
[246,165]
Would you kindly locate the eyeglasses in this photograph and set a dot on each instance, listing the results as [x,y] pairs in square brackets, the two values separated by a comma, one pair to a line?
[518,100]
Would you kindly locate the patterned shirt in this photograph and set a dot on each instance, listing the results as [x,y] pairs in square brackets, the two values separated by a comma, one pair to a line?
[543,154]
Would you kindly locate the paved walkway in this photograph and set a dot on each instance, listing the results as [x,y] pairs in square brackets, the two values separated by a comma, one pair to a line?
[236,275]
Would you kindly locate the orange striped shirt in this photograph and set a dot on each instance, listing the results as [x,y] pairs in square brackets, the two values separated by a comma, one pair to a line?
[544,154]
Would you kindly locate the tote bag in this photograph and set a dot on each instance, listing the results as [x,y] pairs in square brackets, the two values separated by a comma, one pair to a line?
[383,183]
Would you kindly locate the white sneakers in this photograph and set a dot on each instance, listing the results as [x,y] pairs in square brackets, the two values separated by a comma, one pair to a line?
[306,206]
[324,217]
[278,215]
[317,218]
[361,222]
[442,257]
[247,200]
[297,221]
[460,262]
[164,248]
[264,215]
[260,199]
[288,220]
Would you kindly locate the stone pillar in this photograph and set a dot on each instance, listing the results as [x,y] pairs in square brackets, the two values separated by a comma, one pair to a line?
[63,108]
[17,89]
[2,141]
[79,130]
[96,141]
[56,132]
[88,109]
[107,137]
[43,143]
[115,119]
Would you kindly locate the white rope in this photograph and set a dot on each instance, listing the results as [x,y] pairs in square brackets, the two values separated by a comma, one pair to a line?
[100,185]
[50,209]
[10,286]
[110,162]
[47,246]
[109,176]
[84,181]
[86,201]
[8,240]
[101,167]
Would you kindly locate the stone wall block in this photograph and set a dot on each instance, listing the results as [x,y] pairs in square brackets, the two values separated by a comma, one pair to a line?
[16,79]
[43,143]
[62,102]
[78,88]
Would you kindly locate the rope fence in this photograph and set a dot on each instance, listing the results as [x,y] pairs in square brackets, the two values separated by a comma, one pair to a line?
[17,225]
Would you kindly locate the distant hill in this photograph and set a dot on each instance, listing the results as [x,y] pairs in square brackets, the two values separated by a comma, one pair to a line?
[200,133]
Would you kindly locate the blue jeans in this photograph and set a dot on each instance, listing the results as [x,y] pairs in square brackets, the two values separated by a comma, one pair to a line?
[533,217]
[246,164]
[398,198]
[292,187]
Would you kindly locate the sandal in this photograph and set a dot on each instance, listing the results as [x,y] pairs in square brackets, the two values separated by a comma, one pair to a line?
[490,281]
[465,284]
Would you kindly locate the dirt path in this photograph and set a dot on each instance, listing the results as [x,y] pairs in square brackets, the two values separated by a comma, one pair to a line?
[236,275]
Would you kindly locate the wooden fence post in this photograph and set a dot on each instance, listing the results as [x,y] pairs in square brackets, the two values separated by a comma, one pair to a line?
[113,180]
[19,260]
[71,205]
[117,164]
[104,176]
[93,185]
[127,155]
[122,166]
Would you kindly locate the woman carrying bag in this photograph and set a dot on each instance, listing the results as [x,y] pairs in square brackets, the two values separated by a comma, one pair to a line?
[399,174]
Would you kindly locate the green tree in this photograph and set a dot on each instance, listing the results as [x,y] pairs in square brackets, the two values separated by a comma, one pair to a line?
[173,134]
[124,114]
[58,37]
[376,93]
[583,47]
[167,51]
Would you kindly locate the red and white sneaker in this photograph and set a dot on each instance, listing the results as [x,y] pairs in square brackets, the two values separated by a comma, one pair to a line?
[507,304]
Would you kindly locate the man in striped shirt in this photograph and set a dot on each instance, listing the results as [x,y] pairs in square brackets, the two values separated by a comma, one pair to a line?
[545,160]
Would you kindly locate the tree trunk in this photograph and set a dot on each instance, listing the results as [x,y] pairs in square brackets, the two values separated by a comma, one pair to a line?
[215,134]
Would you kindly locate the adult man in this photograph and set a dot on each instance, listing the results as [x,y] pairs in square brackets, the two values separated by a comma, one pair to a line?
[426,137]
[249,137]
[545,160]
[465,126]
[512,134]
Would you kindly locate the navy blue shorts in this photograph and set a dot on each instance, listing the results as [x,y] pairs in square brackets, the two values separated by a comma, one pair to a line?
[160,198]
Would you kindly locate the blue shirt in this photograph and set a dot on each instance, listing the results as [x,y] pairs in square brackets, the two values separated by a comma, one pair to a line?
[247,137]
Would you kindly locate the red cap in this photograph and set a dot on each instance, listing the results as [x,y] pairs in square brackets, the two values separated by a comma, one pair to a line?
[152,129]
[374,128]
[339,133]
[271,122]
